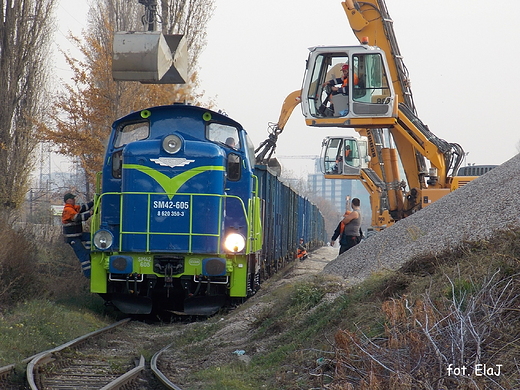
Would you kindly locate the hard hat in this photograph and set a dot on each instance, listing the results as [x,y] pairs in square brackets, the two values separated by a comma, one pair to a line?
[344,67]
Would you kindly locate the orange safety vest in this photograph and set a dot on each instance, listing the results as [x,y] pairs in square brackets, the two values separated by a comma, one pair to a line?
[72,226]
[69,212]
[345,80]
[342,225]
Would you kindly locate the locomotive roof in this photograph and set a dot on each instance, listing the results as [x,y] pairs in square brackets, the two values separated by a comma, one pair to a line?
[177,111]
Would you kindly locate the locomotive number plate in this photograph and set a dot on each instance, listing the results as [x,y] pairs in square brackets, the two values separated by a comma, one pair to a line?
[170,208]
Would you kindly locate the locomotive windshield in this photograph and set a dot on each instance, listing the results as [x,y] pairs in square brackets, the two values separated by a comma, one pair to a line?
[223,134]
[131,132]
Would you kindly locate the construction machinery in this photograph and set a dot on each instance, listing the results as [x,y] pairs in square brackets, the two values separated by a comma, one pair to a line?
[150,56]
[401,163]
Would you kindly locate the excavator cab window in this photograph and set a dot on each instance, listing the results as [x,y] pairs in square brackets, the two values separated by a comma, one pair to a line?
[326,74]
[373,86]
[330,149]
[350,152]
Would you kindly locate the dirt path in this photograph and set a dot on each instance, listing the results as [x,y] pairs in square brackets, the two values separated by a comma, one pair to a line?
[233,340]
[316,261]
[312,265]
[239,323]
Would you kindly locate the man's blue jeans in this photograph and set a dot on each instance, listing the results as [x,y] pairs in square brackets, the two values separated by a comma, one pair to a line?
[81,246]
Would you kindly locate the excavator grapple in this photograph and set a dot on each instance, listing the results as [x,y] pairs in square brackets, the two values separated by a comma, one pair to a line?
[149,57]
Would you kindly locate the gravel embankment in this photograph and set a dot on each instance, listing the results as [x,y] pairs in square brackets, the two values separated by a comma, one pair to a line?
[471,213]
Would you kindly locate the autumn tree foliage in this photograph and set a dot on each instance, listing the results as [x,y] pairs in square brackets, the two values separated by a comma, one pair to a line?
[25,32]
[84,112]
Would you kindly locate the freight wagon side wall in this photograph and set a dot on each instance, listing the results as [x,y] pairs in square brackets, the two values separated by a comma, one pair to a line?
[287,217]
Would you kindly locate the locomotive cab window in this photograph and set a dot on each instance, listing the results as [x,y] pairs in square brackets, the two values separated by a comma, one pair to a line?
[131,132]
[233,167]
[250,148]
[117,164]
[223,134]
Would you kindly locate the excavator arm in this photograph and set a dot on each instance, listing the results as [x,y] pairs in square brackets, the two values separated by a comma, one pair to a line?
[371,21]
[266,149]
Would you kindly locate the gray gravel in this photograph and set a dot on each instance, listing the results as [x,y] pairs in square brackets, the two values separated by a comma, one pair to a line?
[471,213]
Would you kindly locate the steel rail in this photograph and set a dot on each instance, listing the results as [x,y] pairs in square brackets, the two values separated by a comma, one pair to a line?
[126,377]
[46,356]
[158,373]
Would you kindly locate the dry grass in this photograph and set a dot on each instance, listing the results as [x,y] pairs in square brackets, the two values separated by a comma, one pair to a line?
[441,331]
[18,266]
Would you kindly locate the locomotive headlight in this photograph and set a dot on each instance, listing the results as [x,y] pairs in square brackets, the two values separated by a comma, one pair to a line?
[172,144]
[234,242]
[103,240]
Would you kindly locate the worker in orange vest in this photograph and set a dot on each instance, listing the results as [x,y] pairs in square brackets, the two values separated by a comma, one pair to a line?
[72,218]
[302,251]
[343,81]
[337,86]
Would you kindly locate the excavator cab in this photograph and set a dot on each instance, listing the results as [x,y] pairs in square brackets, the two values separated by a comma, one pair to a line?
[344,156]
[342,83]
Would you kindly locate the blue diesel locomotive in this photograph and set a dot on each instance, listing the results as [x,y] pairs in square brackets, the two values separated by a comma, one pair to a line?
[178,214]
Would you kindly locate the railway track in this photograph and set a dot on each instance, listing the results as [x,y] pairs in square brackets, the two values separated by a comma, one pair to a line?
[162,377]
[104,359]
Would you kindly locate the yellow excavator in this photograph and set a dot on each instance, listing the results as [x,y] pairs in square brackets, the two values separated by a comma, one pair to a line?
[367,88]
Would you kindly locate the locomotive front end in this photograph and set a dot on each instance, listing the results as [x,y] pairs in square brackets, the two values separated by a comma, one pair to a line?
[176,225]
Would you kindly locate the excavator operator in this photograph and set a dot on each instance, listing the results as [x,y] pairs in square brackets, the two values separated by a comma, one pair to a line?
[335,87]
[343,81]
[338,166]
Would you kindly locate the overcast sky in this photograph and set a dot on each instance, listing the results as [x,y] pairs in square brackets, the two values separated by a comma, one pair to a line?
[461,56]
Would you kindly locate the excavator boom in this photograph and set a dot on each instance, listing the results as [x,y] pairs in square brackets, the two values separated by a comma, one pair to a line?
[370,20]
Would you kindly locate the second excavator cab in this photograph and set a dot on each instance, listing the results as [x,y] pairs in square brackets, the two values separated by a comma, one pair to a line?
[347,82]
[344,156]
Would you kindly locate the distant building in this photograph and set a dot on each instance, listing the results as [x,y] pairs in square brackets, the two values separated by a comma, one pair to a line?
[336,190]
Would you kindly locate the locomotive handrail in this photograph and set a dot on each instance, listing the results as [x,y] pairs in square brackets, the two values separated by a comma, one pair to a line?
[96,225]
[255,232]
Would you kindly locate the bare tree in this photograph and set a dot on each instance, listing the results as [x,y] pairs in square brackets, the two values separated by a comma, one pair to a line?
[188,17]
[25,32]
[84,113]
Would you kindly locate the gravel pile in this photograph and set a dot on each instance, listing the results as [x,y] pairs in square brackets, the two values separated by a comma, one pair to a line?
[471,213]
